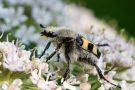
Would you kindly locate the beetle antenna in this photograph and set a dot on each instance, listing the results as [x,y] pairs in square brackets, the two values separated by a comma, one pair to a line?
[42,26]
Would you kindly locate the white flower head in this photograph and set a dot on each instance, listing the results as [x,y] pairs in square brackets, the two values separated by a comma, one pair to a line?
[41,15]
[34,76]
[13,17]
[14,58]
[47,85]
[85,86]
[39,65]
[41,82]
[26,34]
[15,85]
[66,85]
[127,86]
[5,85]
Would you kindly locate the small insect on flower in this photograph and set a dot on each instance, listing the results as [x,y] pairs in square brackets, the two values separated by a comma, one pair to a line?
[74,46]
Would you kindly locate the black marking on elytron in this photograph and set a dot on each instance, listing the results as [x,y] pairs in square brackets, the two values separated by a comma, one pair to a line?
[90,47]
[98,53]
[79,41]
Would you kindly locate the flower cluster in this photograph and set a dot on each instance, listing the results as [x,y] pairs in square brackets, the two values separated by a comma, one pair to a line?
[19,67]
[15,60]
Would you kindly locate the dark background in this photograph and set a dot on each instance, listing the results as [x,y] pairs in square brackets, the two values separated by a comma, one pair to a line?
[121,13]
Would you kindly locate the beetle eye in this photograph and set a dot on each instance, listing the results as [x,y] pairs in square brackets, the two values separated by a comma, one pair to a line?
[52,34]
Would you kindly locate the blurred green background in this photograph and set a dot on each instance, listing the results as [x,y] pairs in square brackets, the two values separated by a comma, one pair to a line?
[118,13]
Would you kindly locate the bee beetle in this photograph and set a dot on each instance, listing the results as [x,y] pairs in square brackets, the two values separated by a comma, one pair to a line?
[75,48]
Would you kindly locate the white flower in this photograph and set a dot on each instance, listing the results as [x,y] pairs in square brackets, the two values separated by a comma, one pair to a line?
[66,85]
[39,65]
[14,58]
[131,86]
[41,15]
[37,68]
[41,83]
[13,17]
[59,88]
[26,34]
[121,55]
[34,78]
[15,85]
[5,85]
[127,86]
[128,74]
[46,85]
[83,78]
[85,86]
[24,55]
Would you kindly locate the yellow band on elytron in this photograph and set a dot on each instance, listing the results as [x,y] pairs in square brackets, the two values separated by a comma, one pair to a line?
[85,43]
[94,50]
